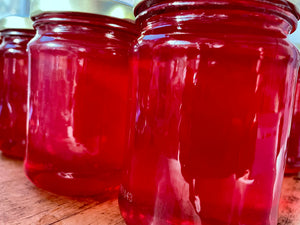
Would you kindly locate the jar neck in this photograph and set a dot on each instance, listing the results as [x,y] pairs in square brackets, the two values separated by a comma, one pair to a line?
[256,17]
[78,25]
[17,37]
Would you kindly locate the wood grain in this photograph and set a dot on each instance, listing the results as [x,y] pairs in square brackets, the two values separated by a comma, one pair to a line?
[289,210]
[21,203]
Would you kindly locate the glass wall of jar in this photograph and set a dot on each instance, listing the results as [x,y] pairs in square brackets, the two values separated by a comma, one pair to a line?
[16,33]
[216,81]
[79,95]
[293,146]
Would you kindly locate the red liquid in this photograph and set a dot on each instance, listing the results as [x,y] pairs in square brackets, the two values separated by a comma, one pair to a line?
[13,91]
[79,103]
[293,147]
[215,95]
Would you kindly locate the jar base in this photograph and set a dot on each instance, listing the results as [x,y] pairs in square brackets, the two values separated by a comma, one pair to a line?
[12,155]
[141,215]
[75,184]
[15,150]
[292,170]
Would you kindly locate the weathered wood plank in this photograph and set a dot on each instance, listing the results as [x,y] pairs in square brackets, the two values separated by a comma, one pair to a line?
[289,209]
[22,203]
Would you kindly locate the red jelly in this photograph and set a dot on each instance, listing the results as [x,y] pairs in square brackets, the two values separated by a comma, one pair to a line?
[293,145]
[16,33]
[79,95]
[216,81]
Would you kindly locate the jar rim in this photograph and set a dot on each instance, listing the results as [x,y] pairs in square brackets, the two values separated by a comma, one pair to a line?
[121,9]
[16,22]
[294,4]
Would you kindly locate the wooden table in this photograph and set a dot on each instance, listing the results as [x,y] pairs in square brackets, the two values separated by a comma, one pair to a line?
[22,203]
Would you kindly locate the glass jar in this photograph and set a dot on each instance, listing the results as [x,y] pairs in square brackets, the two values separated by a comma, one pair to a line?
[216,82]
[79,95]
[293,145]
[16,33]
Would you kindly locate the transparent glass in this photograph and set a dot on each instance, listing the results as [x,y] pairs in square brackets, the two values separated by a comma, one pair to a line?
[216,82]
[79,103]
[13,91]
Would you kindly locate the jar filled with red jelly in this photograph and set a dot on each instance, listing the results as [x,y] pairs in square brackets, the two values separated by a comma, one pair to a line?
[293,145]
[80,95]
[16,32]
[216,84]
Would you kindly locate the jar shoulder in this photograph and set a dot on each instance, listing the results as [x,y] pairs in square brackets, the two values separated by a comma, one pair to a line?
[234,44]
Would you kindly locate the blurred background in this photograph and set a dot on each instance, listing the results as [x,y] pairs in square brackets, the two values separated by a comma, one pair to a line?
[14,7]
[295,37]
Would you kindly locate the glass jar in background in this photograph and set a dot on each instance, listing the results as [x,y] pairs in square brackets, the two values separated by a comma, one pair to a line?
[16,33]
[80,95]
[293,145]
[216,81]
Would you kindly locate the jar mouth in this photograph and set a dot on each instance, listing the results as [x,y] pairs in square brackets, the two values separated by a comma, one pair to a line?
[18,32]
[141,5]
[114,8]
[281,8]
[76,19]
